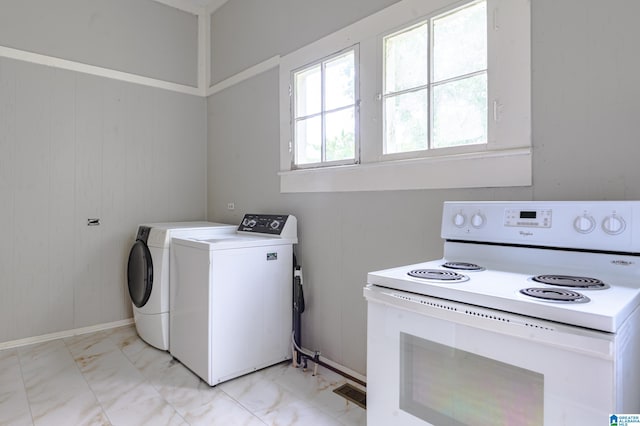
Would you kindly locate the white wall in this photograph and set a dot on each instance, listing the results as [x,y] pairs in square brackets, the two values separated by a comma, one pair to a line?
[586,99]
[72,147]
[585,141]
[245,32]
[141,37]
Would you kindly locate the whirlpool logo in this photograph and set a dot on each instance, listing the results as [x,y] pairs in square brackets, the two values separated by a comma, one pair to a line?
[526,233]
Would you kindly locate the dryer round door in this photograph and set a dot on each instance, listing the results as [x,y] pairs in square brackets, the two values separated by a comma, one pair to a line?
[140,273]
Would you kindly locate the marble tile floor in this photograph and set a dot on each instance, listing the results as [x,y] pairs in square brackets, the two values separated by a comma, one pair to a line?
[112,377]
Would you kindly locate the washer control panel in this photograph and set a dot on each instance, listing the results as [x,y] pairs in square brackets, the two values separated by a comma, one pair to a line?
[263,223]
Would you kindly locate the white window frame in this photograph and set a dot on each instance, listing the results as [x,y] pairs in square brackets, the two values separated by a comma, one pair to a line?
[429,86]
[323,111]
[506,159]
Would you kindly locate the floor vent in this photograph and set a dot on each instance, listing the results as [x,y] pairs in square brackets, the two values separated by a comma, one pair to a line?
[353,394]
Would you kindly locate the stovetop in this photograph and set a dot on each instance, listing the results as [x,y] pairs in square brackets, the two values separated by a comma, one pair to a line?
[514,241]
[498,284]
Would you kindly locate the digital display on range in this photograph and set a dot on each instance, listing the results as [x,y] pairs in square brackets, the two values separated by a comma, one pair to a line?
[540,218]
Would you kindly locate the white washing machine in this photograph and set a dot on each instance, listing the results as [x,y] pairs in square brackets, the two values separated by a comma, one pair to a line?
[231,305]
[148,274]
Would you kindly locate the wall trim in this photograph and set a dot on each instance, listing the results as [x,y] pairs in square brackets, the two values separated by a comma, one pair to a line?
[50,61]
[203,71]
[204,87]
[248,73]
[63,334]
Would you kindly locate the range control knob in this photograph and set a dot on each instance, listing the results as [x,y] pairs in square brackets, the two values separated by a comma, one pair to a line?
[459,220]
[584,224]
[477,220]
[613,224]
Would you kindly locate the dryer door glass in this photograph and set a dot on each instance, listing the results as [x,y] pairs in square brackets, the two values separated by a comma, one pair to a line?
[140,273]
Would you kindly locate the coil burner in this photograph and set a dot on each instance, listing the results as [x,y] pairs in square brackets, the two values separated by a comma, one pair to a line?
[571,281]
[438,275]
[463,266]
[555,295]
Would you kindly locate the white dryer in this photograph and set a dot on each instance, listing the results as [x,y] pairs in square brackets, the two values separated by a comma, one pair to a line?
[231,305]
[148,274]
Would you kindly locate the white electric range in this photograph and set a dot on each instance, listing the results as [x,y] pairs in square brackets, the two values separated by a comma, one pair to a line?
[530,318]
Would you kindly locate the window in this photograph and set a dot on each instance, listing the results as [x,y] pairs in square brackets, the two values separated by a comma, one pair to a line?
[435,93]
[324,112]
[419,95]
[406,90]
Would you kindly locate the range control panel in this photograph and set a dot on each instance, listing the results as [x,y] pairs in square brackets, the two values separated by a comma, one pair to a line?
[598,225]
[263,223]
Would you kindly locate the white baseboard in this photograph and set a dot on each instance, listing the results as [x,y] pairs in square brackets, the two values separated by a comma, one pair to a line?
[63,334]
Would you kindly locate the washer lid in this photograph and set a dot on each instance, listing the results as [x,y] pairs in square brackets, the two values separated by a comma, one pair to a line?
[232,242]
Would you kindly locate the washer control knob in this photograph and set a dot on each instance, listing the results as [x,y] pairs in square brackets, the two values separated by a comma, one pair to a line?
[477,220]
[584,224]
[275,224]
[459,220]
[613,224]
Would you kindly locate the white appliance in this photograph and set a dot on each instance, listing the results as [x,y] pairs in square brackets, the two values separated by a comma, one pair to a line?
[148,274]
[531,318]
[231,298]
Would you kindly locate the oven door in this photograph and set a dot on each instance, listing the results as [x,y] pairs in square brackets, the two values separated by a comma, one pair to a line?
[438,362]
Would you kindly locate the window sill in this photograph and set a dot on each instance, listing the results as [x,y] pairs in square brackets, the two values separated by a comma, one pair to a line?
[487,169]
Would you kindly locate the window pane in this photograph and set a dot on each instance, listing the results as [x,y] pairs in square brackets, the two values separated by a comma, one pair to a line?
[308,140]
[406,122]
[460,42]
[406,58]
[340,131]
[339,81]
[460,112]
[308,92]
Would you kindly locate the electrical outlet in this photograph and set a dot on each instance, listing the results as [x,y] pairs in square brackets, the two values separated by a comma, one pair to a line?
[231,206]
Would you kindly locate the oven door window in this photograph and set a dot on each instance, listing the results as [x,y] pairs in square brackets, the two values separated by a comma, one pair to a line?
[448,386]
